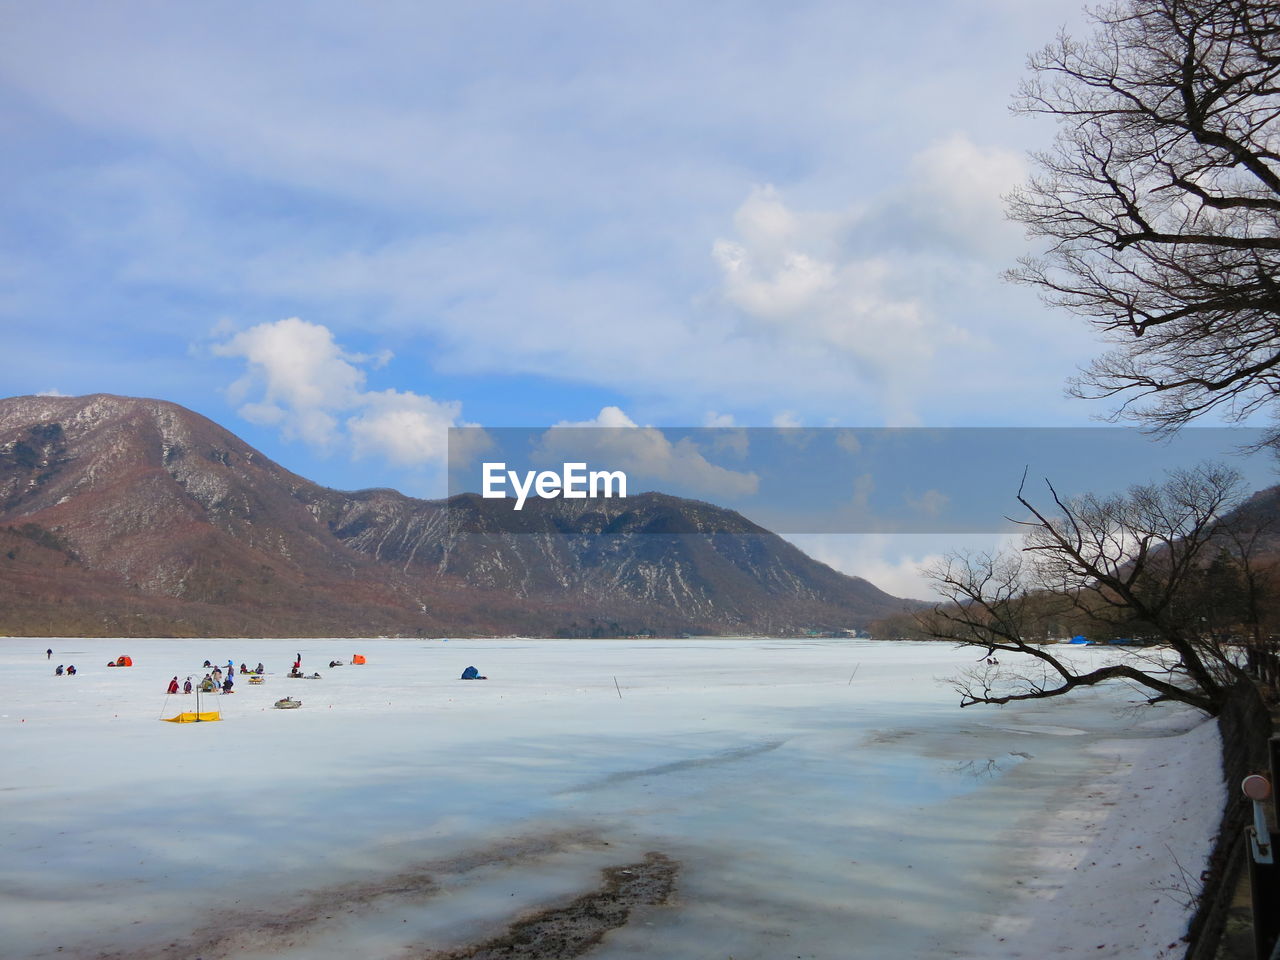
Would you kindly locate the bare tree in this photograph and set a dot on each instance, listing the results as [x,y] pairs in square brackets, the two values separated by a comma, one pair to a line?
[1160,202]
[1130,563]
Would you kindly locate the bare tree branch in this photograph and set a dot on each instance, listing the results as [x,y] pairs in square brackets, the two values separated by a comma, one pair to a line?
[1159,203]
[1146,564]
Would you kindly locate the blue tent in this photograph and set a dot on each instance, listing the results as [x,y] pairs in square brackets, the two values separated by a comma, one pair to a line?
[471,673]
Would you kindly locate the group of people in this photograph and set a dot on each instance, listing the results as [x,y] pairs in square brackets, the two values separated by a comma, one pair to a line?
[61,671]
[217,679]
[296,670]
[214,680]
[244,667]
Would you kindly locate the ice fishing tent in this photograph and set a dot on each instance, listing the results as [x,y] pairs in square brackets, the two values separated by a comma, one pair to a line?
[194,716]
[358,658]
[121,661]
[471,673]
[198,716]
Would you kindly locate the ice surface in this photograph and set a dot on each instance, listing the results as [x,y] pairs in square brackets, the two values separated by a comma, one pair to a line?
[402,811]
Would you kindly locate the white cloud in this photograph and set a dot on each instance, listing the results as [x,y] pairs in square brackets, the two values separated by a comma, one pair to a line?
[731,440]
[895,562]
[610,417]
[404,427]
[53,392]
[848,441]
[864,485]
[796,276]
[644,453]
[958,188]
[303,376]
[891,565]
[315,391]
[931,503]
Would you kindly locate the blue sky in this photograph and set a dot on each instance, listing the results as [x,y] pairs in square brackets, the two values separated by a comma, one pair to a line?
[339,229]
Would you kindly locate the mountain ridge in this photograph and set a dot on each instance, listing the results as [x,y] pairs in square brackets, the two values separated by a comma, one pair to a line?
[129,514]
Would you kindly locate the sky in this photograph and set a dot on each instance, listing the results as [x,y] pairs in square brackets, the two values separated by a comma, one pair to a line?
[340,229]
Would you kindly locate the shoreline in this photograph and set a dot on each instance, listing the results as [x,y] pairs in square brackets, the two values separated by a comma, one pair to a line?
[1121,858]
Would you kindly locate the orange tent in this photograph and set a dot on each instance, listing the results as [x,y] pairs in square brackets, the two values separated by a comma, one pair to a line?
[358,658]
[121,661]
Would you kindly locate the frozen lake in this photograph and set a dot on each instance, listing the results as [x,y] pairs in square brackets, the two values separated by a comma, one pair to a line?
[402,812]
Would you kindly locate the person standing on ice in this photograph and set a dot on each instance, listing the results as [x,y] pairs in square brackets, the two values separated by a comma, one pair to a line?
[48,654]
[173,685]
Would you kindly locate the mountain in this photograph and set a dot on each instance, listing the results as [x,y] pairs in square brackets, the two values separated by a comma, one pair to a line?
[132,517]
[1261,512]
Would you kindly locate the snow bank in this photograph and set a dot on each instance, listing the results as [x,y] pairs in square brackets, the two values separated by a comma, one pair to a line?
[1114,872]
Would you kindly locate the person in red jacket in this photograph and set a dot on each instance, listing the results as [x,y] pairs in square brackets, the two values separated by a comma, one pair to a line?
[173,685]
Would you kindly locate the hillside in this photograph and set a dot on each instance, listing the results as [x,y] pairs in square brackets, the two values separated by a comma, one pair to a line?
[123,516]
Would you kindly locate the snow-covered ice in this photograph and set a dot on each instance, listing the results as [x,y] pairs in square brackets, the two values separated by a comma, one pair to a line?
[402,811]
